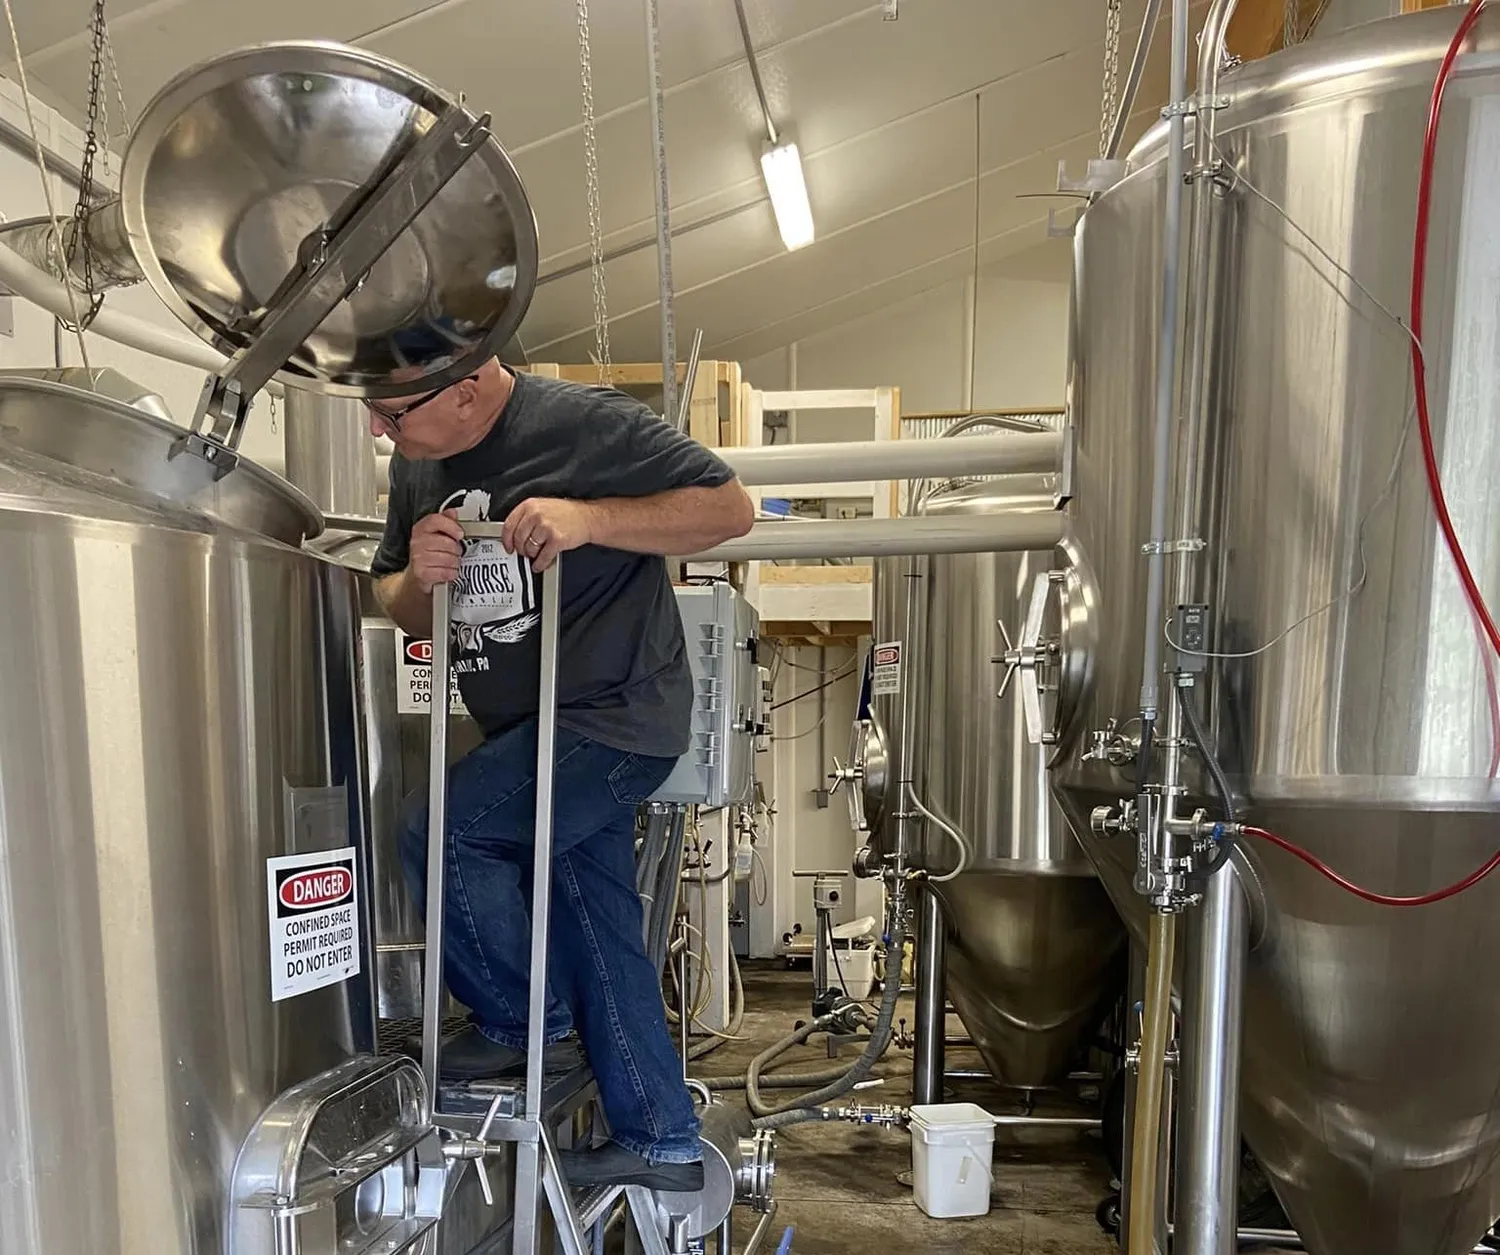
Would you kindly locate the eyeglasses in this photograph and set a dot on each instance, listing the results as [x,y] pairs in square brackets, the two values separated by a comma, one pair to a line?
[394,416]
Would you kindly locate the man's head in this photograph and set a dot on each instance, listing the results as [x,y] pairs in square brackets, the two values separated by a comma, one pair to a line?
[437,423]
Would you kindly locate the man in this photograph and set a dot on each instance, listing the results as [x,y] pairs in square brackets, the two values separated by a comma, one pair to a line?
[594,474]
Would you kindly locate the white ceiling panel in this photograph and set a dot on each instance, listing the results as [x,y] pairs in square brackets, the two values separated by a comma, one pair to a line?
[885,114]
[156,41]
[528,75]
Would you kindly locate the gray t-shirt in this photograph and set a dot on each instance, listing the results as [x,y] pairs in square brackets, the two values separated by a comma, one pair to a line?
[623,677]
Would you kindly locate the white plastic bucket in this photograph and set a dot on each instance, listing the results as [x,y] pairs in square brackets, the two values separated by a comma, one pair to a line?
[853,971]
[952,1148]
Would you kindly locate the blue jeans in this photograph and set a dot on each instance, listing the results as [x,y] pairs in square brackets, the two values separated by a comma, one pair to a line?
[599,976]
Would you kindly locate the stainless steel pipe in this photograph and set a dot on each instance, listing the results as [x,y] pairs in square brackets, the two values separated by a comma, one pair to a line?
[1048,1122]
[1206,1189]
[851,461]
[876,538]
[885,538]
[931,1017]
[1289,1240]
[329,454]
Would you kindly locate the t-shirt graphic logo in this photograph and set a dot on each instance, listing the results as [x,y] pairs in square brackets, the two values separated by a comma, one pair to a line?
[494,597]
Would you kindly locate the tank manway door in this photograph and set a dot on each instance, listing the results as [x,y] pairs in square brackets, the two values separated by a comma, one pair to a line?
[1052,658]
[347,1163]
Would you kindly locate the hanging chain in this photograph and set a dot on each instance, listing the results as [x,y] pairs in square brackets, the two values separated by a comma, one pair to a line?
[119,92]
[1291,30]
[78,239]
[596,229]
[271,401]
[1111,72]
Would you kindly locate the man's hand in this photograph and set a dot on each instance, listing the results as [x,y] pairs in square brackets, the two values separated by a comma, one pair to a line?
[540,528]
[436,546]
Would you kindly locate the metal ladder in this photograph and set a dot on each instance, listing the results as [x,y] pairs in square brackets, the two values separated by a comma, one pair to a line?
[538,1169]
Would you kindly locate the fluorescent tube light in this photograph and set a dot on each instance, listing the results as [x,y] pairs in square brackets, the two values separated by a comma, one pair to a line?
[782,167]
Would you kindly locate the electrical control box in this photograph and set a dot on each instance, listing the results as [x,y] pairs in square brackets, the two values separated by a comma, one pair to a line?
[1190,639]
[720,628]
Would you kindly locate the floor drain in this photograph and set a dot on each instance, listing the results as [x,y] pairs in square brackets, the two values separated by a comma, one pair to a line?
[904,1178]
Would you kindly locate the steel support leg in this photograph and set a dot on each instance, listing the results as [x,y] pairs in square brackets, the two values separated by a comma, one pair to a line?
[530,1154]
[1206,1189]
[437,835]
[931,1016]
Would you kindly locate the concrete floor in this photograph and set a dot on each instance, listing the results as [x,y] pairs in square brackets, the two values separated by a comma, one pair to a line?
[841,1185]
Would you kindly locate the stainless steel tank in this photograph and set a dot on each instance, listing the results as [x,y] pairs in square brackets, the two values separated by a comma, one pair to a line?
[178,705]
[1352,710]
[1032,938]
[396,735]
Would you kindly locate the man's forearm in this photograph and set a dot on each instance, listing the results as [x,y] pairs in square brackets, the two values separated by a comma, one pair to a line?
[408,606]
[682,521]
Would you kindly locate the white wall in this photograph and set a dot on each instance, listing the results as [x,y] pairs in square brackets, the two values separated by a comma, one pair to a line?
[31,344]
[1020,360]
[1020,347]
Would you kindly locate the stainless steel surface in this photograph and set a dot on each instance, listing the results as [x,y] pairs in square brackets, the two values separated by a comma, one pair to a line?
[437,840]
[121,451]
[844,462]
[169,675]
[1033,940]
[528,1154]
[867,538]
[345,1163]
[863,538]
[1369,1084]
[706,1209]
[1205,1189]
[329,453]
[932,1003]
[397,747]
[662,196]
[235,171]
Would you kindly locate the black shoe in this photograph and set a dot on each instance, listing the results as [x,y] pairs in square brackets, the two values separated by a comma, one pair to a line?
[471,1056]
[612,1164]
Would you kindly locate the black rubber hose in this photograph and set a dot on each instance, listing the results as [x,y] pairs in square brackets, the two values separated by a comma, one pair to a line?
[860,1069]
[1224,847]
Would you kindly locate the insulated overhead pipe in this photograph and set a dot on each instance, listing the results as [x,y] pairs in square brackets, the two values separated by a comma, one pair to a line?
[845,462]
[881,538]
[26,281]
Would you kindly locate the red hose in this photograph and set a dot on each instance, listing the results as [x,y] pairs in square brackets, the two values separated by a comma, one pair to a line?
[1380,899]
[1419,366]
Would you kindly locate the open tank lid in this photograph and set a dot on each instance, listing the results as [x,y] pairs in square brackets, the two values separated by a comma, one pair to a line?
[99,427]
[241,168]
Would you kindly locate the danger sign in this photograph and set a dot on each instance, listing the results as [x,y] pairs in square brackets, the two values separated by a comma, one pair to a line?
[885,675]
[313,907]
[414,679]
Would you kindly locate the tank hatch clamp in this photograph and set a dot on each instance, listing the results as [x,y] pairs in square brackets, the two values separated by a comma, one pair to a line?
[345,1163]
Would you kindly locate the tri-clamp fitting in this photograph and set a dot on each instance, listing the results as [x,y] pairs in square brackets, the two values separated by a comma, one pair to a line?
[1169,847]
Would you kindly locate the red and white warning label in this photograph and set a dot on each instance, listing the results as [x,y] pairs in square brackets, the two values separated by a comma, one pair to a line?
[313,902]
[885,674]
[414,679]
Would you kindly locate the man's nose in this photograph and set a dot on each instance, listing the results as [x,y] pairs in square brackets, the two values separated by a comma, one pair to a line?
[377,424]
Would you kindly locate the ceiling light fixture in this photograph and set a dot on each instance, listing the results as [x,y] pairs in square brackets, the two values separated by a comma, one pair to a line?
[781,162]
[782,168]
